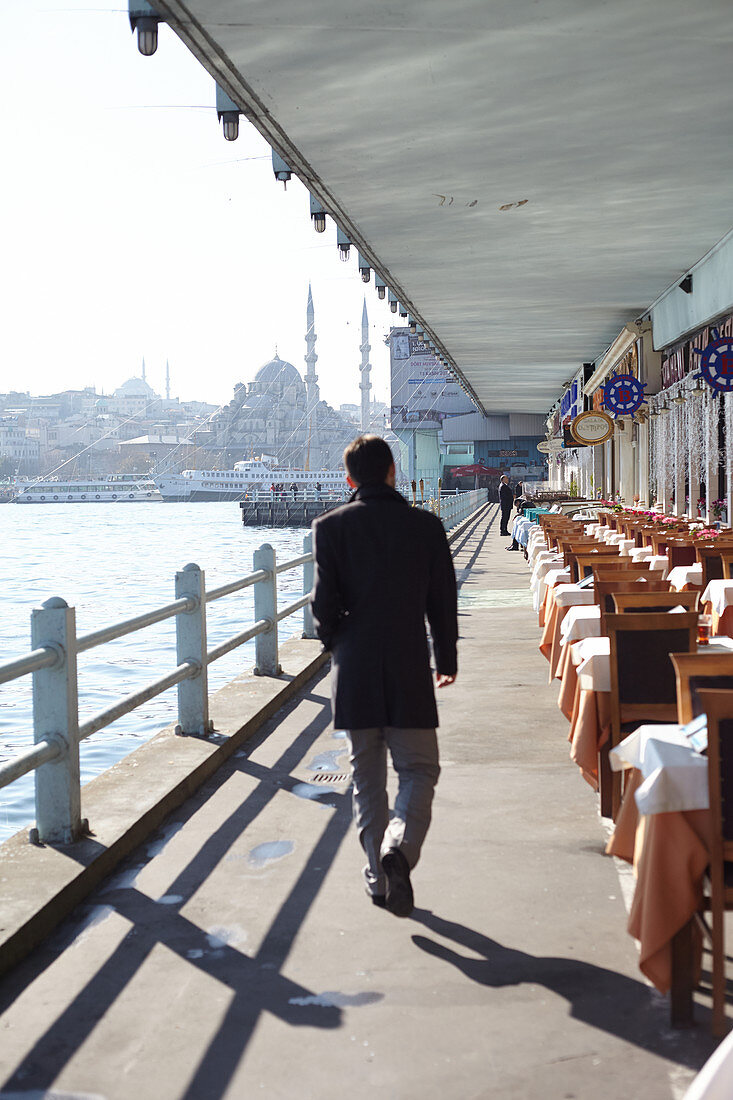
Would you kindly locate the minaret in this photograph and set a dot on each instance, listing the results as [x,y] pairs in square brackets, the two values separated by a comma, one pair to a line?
[312,395]
[365,368]
[143,368]
[167,381]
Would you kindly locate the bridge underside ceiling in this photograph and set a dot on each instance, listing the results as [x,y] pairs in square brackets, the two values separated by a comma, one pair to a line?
[528,177]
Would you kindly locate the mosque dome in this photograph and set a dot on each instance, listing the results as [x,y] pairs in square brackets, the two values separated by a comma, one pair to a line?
[135,387]
[279,372]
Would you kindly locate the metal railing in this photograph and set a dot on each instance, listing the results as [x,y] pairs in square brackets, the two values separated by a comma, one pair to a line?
[454,509]
[52,662]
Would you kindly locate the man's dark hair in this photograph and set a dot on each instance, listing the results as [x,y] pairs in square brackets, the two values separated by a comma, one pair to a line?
[368,460]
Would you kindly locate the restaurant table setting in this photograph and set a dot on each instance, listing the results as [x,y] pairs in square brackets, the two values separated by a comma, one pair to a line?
[664,824]
[555,573]
[685,578]
[559,600]
[664,830]
[717,601]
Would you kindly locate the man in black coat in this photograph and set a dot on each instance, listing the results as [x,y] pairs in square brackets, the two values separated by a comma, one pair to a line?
[506,500]
[380,568]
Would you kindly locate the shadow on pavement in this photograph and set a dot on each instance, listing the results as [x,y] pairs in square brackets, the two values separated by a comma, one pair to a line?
[256,983]
[601,998]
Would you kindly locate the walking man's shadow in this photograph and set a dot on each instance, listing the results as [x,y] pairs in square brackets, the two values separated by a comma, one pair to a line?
[599,997]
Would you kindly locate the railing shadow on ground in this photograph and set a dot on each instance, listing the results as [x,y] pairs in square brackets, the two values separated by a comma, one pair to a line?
[255,982]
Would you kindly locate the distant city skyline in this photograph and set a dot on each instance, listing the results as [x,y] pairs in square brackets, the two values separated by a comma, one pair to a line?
[137,231]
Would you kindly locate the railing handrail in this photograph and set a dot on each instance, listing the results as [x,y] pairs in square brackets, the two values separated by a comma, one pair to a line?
[52,662]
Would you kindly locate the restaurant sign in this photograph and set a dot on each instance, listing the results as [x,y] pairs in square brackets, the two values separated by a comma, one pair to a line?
[592,428]
[716,363]
[549,446]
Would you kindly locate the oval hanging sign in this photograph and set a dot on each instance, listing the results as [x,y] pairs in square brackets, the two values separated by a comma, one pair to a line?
[592,428]
[549,446]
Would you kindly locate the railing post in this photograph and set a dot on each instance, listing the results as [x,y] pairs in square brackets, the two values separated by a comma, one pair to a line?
[56,718]
[193,694]
[309,630]
[266,655]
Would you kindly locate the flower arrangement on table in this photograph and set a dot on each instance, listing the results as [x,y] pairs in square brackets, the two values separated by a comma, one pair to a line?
[707,533]
[719,506]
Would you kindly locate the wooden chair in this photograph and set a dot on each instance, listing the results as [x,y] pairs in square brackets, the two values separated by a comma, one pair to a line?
[624,569]
[619,584]
[643,682]
[712,565]
[681,552]
[718,706]
[653,599]
[582,564]
[696,672]
[726,558]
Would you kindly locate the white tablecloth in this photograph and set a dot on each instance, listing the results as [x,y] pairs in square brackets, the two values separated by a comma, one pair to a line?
[592,657]
[546,575]
[659,563]
[581,622]
[625,546]
[641,553]
[572,595]
[675,776]
[685,574]
[719,594]
[600,531]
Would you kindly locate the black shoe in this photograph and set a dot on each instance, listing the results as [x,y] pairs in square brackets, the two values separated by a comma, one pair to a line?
[400,900]
[380,900]
[512,547]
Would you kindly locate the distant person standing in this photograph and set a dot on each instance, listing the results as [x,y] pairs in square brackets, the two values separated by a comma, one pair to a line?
[506,500]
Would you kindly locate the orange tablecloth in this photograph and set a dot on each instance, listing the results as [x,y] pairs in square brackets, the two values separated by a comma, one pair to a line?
[589,714]
[669,853]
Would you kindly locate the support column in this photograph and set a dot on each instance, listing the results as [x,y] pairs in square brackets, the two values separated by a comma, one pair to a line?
[642,462]
[625,460]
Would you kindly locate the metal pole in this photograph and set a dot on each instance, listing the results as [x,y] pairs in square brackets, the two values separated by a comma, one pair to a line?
[56,719]
[193,694]
[440,486]
[309,630]
[266,651]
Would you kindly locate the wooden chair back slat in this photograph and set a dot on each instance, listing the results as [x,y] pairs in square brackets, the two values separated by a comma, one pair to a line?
[697,672]
[654,600]
[643,683]
[718,706]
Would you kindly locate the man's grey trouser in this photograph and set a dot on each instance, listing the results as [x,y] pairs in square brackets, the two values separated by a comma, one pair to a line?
[415,758]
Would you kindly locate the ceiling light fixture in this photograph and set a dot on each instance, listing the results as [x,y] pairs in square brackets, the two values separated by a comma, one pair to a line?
[318,214]
[282,171]
[228,114]
[144,19]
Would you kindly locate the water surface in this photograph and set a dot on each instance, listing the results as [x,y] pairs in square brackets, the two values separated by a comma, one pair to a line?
[110,562]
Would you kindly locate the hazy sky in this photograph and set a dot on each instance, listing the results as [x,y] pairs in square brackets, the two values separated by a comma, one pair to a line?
[131,228]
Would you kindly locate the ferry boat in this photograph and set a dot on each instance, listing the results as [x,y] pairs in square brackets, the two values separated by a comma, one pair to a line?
[125,489]
[247,478]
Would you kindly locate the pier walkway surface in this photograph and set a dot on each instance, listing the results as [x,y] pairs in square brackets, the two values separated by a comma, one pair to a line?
[236,954]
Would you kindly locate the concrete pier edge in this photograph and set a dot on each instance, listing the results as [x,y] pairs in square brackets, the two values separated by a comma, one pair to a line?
[40,885]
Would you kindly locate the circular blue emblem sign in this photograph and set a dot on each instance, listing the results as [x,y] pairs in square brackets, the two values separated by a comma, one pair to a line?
[623,395]
[716,363]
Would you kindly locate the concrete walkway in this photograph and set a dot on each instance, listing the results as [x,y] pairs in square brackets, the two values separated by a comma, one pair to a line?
[236,955]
